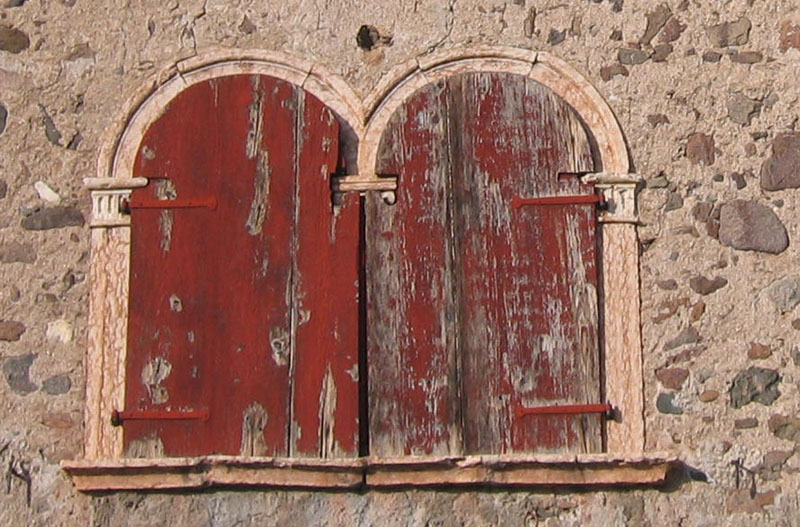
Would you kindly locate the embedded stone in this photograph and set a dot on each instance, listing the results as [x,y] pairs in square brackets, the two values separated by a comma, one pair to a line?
[50,130]
[672,378]
[57,385]
[668,308]
[665,403]
[784,427]
[16,371]
[60,331]
[656,20]
[661,52]
[750,226]
[3,188]
[13,40]
[700,149]
[53,218]
[747,502]
[11,330]
[657,182]
[747,57]
[657,119]
[61,420]
[738,180]
[688,335]
[729,33]
[789,36]
[758,385]
[667,285]
[757,351]
[609,72]
[674,202]
[712,56]
[708,396]
[742,110]
[3,118]
[770,468]
[46,193]
[746,423]
[703,286]
[784,293]
[556,37]
[672,30]
[632,56]
[16,252]
[781,170]
[697,311]
[247,26]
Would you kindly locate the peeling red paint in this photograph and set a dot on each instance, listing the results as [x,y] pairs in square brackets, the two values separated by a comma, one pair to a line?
[475,307]
[245,273]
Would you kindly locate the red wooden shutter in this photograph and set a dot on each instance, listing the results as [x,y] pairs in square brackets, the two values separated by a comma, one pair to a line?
[247,311]
[477,308]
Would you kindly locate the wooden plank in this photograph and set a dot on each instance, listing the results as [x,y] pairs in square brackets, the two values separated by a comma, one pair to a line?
[325,296]
[491,307]
[213,294]
[528,284]
[413,398]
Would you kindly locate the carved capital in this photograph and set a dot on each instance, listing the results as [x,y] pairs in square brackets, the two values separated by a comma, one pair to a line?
[107,196]
[619,191]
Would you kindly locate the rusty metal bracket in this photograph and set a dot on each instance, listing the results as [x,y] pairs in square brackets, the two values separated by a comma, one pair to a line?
[586,199]
[199,203]
[567,409]
[118,417]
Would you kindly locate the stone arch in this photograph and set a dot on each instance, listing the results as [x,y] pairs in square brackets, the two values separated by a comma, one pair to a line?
[118,150]
[542,67]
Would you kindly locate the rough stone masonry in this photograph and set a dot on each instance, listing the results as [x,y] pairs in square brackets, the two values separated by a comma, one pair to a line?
[705,92]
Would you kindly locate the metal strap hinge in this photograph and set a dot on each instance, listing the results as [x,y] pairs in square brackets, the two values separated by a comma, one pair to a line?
[120,416]
[567,409]
[198,203]
[585,199]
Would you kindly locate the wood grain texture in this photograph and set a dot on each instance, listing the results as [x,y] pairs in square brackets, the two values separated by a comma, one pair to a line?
[411,348]
[325,289]
[476,308]
[217,297]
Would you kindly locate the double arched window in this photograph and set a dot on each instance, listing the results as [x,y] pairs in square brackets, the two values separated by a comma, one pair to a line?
[281,273]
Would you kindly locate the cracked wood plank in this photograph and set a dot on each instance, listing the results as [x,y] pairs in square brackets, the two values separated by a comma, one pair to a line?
[475,307]
[325,288]
[223,305]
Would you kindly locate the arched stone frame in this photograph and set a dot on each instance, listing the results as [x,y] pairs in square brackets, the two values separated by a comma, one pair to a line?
[105,365]
[104,468]
[620,256]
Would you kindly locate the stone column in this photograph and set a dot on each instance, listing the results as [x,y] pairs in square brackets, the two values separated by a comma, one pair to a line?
[108,314]
[622,346]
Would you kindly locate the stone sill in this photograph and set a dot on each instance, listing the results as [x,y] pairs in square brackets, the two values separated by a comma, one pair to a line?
[551,470]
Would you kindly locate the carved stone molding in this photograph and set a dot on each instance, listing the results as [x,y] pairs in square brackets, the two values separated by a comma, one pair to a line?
[619,191]
[107,197]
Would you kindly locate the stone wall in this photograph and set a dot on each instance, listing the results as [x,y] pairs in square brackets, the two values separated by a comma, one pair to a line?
[706,93]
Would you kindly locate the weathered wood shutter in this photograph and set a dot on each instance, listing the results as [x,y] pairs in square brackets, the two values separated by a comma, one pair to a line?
[475,308]
[243,324]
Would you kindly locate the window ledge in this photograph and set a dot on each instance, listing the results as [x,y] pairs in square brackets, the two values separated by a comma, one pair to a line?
[503,471]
